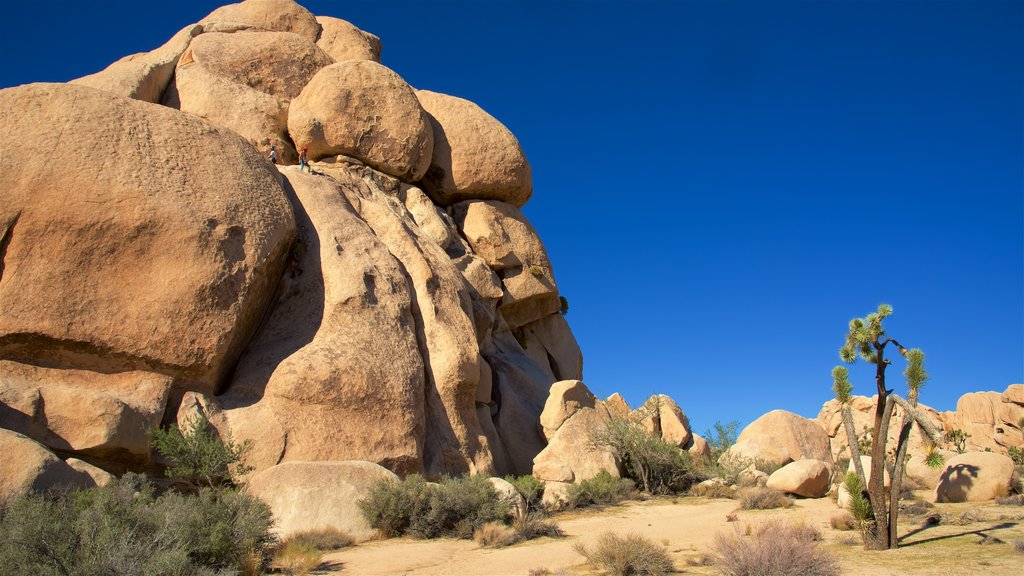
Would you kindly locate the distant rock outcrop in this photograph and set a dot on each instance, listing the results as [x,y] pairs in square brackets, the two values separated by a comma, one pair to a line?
[395,306]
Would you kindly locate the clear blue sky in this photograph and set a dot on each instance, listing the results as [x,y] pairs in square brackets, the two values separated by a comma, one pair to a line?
[720,185]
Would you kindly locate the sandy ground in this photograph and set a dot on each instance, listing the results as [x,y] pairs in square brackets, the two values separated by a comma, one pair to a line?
[687,527]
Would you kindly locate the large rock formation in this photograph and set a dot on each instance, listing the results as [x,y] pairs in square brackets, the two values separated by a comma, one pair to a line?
[780,437]
[155,265]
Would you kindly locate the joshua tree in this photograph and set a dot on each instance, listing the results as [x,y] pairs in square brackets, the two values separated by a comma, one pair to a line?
[867,338]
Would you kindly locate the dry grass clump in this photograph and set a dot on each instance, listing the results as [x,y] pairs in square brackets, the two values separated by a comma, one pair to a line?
[1018,546]
[969,516]
[326,539]
[916,508]
[524,527]
[762,498]
[843,521]
[296,558]
[774,549]
[627,555]
[494,535]
[712,490]
[1015,500]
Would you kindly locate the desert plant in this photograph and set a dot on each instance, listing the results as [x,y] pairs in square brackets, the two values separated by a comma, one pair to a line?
[867,337]
[859,505]
[657,466]
[198,455]
[761,498]
[730,466]
[325,539]
[1017,455]
[297,558]
[494,535]
[626,555]
[1015,500]
[843,521]
[713,489]
[958,439]
[773,549]
[453,507]
[1018,546]
[721,438]
[602,489]
[532,524]
[530,488]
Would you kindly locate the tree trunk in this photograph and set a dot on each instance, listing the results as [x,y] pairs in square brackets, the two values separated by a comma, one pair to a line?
[876,536]
[899,466]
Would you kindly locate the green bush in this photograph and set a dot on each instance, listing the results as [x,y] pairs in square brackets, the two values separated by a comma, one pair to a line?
[198,455]
[627,555]
[123,528]
[530,488]
[600,490]
[1017,455]
[859,506]
[454,507]
[657,466]
[722,438]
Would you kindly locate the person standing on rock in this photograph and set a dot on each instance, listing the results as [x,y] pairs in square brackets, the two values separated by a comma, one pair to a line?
[304,160]
[273,154]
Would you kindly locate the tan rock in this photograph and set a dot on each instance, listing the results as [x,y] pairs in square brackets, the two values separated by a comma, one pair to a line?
[432,220]
[340,348]
[565,399]
[27,467]
[661,416]
[275,63]
[315,495]
[506,490]
[475,156]
[975,477]
[918,470]
[274,15]
[143,76]
[161,256]
[343,41]
[807,478]
[570,455]
[556,495]
[700,450]
[101,415]
[260,118]
[617,406]
[361,109]
[99,476]
[550,342]
[1014,393]
[781,437]
[978,407]
[501,235]
[751,476]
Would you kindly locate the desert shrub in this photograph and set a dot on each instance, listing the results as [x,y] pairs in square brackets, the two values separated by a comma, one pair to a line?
[123,528]
[916,507]
[1015,500]
[1018,546]
[198,455]
[494,535]
[530,525]
[859,506]
[730,466]
[721,438]
[627,555]
[762,498]
[297,557]
[1017,455]
[713,490]
[324,539]
[843,521]
[599,490]
[774,549]
[657,466]
[530,488]
[454,507]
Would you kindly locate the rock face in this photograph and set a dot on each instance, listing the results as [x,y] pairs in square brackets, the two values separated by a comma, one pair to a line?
[335,316]
[807,478]
[474,155]
[974,477]
[863,412]
[27,467]
[314,495]
[361,109]
[661,416]
[174,228]
[991,419]
[570,416]
[781,437]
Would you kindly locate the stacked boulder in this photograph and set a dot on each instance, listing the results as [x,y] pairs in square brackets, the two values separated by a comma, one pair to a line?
[395,307]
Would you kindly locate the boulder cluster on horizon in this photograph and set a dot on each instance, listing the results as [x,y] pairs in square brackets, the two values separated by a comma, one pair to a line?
[390,312]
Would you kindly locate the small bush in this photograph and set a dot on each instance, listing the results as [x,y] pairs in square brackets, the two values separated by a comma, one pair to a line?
[494,535]
[1015,500]
[657,466]
[1018,546]
[860,507]
[1017,455]
[530,488]
[602,489]
[532,525]
[626,555]
[762,499]
[713,490]
[198,455]
[297,557]
[323,539]
[843,521]
[916,507]
[775,549]
[454,507]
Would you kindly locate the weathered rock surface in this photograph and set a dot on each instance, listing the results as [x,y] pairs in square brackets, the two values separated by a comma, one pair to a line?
[661,416]
[990,423]
[570,455]
[506,490]
[161,257]
[273,15]
[361,109]
[565,399]
[807,478]
[143,76]
[91,413]
[474,155]
[617,406]
[974,477]
[700,450]
[27,467]
[99,476]
[314,495]
[1014,393]
[343,41]
[781,437]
